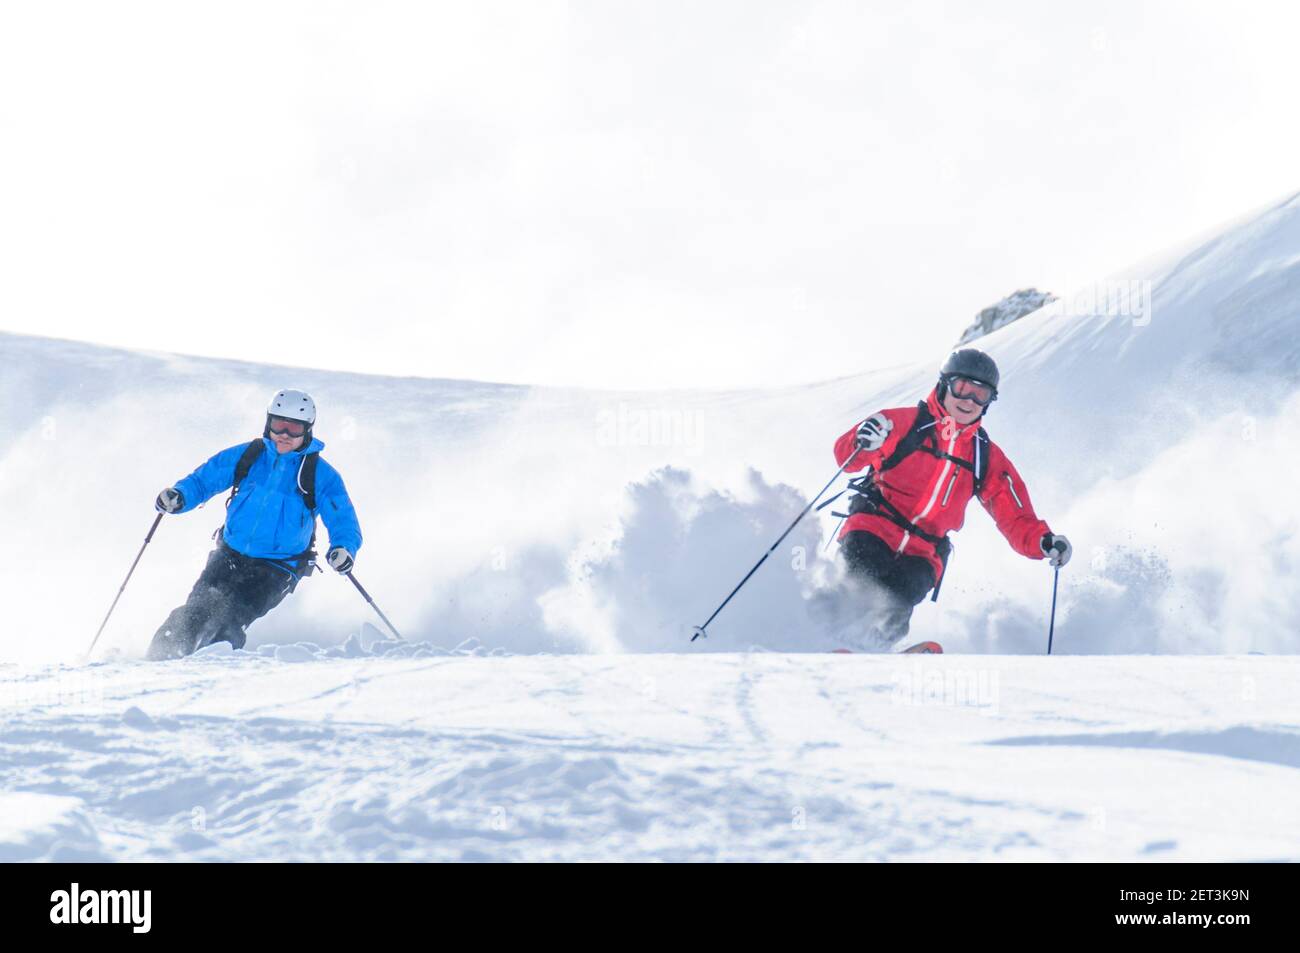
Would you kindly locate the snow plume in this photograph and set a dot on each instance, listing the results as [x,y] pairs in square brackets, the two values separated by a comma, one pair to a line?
[77,503]
[475,500]
[682,547]
[494,521]
[81,463]
[1196,552]
[519,519]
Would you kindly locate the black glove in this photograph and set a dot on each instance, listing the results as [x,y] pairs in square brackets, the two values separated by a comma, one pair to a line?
[1056,548]
[169,501]
[339,559]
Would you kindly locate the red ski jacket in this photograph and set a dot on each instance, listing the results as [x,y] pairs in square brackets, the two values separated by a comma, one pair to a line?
[932,492]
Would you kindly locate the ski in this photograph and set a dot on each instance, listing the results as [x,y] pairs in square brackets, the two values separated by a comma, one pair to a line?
[920,648]
[924,648]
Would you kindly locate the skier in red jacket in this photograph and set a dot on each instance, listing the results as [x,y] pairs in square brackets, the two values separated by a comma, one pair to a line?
[926,462]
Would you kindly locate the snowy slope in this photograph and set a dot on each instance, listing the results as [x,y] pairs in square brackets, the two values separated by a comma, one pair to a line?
[591,525]
[676,757]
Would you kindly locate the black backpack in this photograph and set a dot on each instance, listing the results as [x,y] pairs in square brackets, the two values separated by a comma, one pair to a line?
[305,562]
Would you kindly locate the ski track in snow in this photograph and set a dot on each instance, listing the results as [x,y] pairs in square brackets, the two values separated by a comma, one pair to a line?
[739,756]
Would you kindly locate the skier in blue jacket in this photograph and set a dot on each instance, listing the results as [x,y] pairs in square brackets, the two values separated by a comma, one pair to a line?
[267,543]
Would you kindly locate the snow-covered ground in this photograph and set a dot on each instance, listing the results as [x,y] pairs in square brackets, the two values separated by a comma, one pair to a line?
[1151,415]
[736,756]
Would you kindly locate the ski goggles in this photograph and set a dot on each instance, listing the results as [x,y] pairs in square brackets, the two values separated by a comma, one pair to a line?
[283,427]
[963,388]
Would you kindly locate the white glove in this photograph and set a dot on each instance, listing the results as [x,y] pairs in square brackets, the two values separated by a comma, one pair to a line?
[339,559]
[169,501]
[873,432]
[1056,548]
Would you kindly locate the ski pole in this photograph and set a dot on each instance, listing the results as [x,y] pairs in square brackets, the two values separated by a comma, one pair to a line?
[699,630]
[835,532]
[1051,626]
[365,595]
[156,521]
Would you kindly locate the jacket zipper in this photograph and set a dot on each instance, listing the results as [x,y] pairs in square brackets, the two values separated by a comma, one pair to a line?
[948,492]
[261,508]
[934,496]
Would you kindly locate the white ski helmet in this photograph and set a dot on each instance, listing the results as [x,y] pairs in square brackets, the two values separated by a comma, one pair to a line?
[293,405]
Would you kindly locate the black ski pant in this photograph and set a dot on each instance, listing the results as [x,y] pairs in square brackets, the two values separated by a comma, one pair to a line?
[891,584]
[232,591]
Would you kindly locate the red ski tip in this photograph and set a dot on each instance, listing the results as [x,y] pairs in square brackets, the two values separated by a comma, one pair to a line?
[924,648]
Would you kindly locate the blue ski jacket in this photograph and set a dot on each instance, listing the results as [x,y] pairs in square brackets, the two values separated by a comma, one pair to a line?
[268,518]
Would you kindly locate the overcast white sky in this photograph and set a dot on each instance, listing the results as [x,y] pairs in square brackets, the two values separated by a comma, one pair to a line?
[625,194]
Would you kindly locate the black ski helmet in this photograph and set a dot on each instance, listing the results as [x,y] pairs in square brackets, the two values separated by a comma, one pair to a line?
[972,364]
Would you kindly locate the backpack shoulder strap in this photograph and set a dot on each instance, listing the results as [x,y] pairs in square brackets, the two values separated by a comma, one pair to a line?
[245,463]
[912,440]
[307,480]
[307,487]
[981,462]
[922,427]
